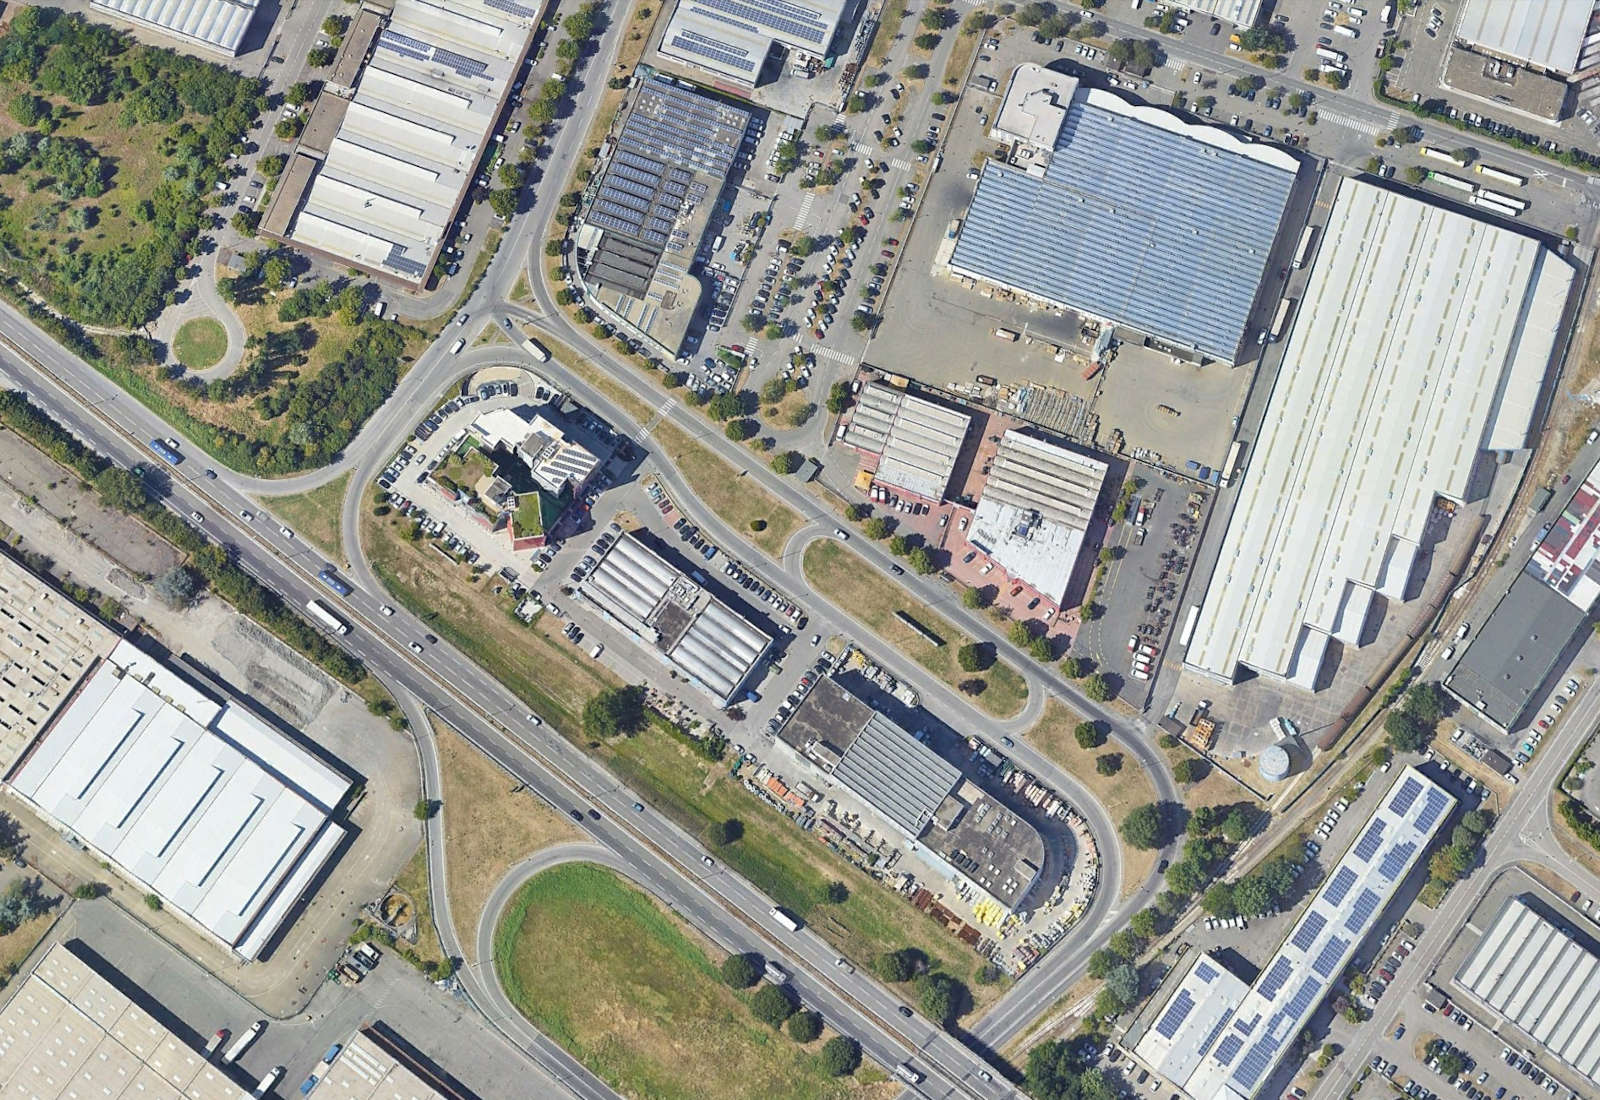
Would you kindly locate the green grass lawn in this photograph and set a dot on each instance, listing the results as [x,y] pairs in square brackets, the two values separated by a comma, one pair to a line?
[599,967]
[200,343]
[314,514]
[739,501]
[863,592]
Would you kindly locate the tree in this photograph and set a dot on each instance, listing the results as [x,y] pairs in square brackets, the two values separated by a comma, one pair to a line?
[503,201]
[1414,174]
[1099,688]
[838,398]
[1146,924]
[1451,1062]
[1108,763]
[973,658]
[1075,668]
[28,110]
[300,93]
[741,971]
[1187,877]
[724,406]
[1253,896]
[614,711]
[915,72]
[836,893]
[20,902]
[276,271]
[840,1056]
[1426,702]
[857,512]
[804,1027]
[120,489]
[741,429]
[1236,827]
[1102,962]
[896,966]
[786,462]
[1189,770]
[922,147]
[772,1005]
[178,587]
[1406,732]
[725,832]
[424,809]
[320,57]
[900,546]
[877,527]
[1020,634]
[972,599]
[1219,902]
[942,997]
[1123,983]
[1143,827]
[1088,735]
[921,560]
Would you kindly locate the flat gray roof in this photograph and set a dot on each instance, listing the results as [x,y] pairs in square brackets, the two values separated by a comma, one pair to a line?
[900,776]
[1546,33]
[1515,651]
[1137,218]
[731,38]
[1543,978]
[216,24]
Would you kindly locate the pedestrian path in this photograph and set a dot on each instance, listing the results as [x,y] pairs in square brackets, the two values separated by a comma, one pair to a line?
[1372,129]
[803,217]
[900,165]
[834,355]
[662,412]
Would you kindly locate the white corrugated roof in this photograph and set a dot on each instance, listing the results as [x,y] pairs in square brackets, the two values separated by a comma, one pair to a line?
[917,440]
[1546,33]
[1422,340]
[1035,509]
[219,24]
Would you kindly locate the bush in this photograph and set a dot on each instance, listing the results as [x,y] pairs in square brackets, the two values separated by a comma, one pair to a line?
[424,809]
[741,971]
[1143,827]
[840,1056]
[1099,688]
[805,1027]
[152,902]
[1109,763]
[772,1005]
[1088,735]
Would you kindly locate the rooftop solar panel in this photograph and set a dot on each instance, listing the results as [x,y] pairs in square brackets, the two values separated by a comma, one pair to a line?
[1309,930]
[1405,796]
[1228,1048]
[1281,969]
[1362,911]
[1394,860]
[1339,886]
[1177,1012]
[1205,972]
[466,66]
[1434,805]
[1328,957]
[1304,998]
[511,7]
[1255,1063]
[1370,842]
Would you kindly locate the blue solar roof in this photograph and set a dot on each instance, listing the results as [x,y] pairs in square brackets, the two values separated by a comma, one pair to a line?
[1228,1048]
[1309,930]
[1177,1012]
[1256,1063]
[1394,860]
[1281,969]
[1361,912]
[1205,972]
[1138,224]
[1340,885]
[1434,805]
[1328,957]
[1405,796]
[1370,842]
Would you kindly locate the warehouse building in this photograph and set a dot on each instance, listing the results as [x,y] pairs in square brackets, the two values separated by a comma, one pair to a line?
[676,618]
[1556,36]
[1567,559]
[647,215]
[223,817]
[1543,978]
[733,41]
[956,826]
[914,441]
[218,25]
[68,1032]
[1419,350]
[1242,1051]
[377,178]
[1125,213]
[1241,13]
[1186,1025]
[47,645]
[1035,509]
[374,1064]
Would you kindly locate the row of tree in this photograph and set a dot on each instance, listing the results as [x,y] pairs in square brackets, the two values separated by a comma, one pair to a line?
[775,1006]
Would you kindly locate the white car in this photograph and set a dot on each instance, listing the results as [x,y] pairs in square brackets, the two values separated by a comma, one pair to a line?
[246,515]
[386,610]
[286,533]
[416,647]
[535,719]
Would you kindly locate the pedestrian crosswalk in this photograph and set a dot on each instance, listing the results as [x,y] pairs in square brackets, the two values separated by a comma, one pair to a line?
[802,219]
[833,355]
[1360,125]
[900,165]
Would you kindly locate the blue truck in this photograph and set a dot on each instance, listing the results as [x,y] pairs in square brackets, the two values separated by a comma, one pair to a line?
[165,451]
[328,577]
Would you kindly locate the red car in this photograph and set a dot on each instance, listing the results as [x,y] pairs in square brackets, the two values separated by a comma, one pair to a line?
[892,241]
[886,254]
[1017,591]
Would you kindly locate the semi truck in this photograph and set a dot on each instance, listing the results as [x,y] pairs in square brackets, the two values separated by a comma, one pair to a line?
[1302,251]
[781,918]
[1502,175]
[242,1043]
[535,349]
[273,1076]
[325,618]
[907,1074]
[1281,318]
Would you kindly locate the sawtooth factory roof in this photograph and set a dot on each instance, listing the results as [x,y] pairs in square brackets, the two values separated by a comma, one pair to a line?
[916,440]
[1422,341]
[1135,217]
[708,642]
[216,24]
[223,817]
[412,137]
[1543,979]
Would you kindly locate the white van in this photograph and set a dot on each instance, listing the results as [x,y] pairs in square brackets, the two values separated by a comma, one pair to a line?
[455,348]
[597,650]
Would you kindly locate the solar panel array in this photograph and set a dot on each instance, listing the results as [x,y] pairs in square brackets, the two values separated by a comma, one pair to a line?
[1176,1013]
[1205,972]
[511,7]
[782,19]
[734,38]
[718,50]
[1134,222]
[1337,919]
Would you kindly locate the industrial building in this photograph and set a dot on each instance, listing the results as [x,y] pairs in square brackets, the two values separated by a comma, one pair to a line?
[958,827]
[224,818]
[373,1064]
[1189,1021]
[1418,352]
[1125,213]
[733,41]
[1567,558]
[1035,510]
[646,217]
[68,1032]
[1552,35]
[914,441]
[378,176]
[1242,1039]
[1241,13]
[218,25]
[1544,979]
[676,618]
[47,644]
